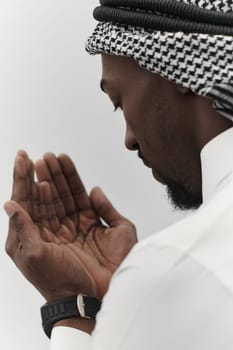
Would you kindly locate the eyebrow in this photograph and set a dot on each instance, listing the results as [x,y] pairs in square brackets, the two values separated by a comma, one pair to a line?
[102,85]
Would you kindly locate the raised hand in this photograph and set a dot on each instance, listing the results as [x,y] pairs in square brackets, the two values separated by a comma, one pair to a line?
[56,237]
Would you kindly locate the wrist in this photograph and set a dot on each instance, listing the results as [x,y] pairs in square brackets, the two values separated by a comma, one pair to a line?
[81,324]
[76,312]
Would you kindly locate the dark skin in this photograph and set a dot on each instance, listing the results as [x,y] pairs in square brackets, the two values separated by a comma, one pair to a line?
[56,228]
[168,124]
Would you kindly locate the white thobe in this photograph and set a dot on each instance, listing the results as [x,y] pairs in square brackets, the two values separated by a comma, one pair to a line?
[174,291]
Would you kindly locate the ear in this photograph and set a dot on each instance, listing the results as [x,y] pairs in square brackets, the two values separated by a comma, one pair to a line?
[183,90]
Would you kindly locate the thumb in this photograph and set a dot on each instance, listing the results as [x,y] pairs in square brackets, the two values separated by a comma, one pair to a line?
[20,222]
[104,208]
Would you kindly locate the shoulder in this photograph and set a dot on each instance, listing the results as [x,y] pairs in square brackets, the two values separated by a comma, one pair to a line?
[174,289]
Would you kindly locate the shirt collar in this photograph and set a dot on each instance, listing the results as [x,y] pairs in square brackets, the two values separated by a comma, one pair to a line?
[216,163]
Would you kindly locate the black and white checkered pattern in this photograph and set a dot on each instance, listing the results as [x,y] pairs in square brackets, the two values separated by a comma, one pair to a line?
[201,62]
[216,5]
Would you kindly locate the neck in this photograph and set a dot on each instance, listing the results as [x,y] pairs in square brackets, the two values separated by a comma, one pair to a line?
[207,125]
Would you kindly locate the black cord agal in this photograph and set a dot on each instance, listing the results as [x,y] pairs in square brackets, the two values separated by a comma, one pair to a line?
[165,15]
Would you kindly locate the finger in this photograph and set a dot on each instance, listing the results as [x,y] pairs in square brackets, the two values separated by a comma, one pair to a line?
[20,223]
[75,183]
[30,184]
[30,192]
[20,181]
[29,170]
[63,222]
[105,209]
[65,231]
[49,221]
[53,222]
[21,229]
[35,213]
[39,205]
[43,174]
[60,182]
[42,205]
[12,241]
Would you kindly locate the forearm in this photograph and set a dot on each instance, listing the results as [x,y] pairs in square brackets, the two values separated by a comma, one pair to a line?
[82,324]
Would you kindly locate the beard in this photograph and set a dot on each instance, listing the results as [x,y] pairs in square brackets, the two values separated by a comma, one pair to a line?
[181,196]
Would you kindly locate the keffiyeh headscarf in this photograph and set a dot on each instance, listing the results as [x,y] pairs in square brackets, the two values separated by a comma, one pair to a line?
[199,59]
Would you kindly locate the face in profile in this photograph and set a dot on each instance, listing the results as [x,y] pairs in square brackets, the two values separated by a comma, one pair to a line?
[159,126]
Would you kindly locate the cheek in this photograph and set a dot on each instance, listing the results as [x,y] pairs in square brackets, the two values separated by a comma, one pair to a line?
[142,118]
[138,116]
[148,116]
[136,126]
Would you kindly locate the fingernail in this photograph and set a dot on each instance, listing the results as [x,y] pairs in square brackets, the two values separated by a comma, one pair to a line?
[9,209]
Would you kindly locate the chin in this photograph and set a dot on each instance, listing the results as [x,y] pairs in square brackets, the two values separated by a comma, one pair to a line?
[182,197]
[158,177]
[180,194]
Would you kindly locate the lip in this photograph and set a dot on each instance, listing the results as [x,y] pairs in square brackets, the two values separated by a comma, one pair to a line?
[146,164]
[154,172]
[143,159]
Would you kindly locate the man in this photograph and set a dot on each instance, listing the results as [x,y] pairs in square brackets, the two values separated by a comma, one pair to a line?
[174,290]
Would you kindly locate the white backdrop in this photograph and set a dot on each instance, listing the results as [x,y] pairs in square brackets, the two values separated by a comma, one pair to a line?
[50,101]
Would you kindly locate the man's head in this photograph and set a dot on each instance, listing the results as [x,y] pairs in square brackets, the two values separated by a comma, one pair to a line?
[174,85]
[166,124]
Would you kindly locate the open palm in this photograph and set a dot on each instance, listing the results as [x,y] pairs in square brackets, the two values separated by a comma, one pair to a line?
[56,234]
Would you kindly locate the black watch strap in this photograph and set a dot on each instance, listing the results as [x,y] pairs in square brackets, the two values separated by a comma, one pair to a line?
[71,307]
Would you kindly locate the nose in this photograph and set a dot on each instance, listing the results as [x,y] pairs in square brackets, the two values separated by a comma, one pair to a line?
[130,140]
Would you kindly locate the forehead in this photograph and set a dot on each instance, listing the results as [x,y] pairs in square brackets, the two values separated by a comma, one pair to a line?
[125,73]
[123,70]
[111,63]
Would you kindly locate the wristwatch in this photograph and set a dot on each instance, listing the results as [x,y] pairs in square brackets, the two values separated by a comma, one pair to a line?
[80,306]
